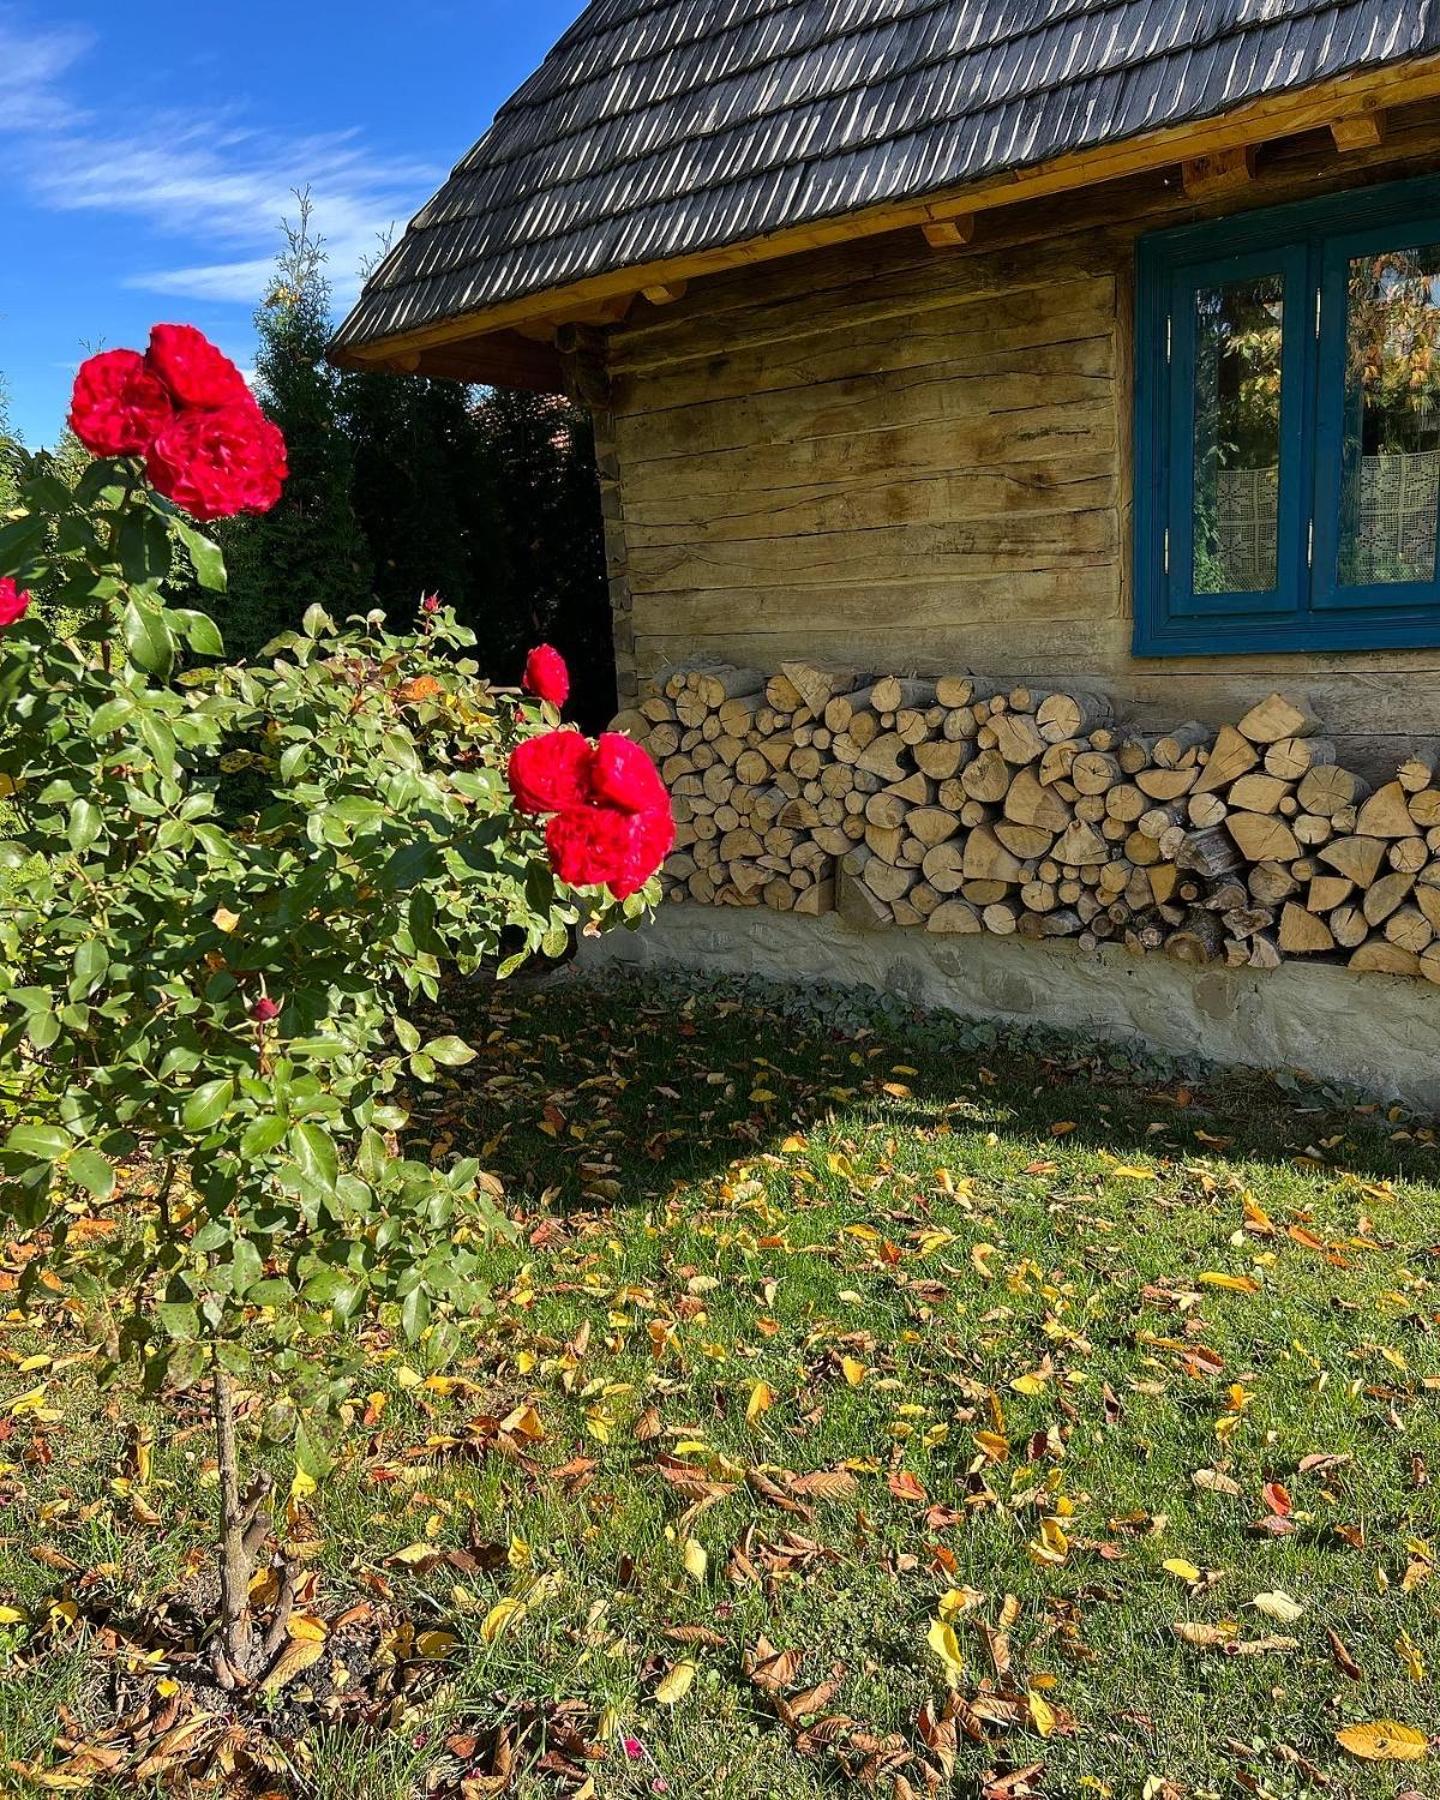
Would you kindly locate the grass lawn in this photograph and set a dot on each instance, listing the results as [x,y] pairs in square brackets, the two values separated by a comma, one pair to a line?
[863,1404]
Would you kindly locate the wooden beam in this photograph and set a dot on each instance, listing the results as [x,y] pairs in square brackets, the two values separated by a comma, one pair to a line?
[1223,172]
[944,233]
[665,293]
[1274,116]
[1359,131]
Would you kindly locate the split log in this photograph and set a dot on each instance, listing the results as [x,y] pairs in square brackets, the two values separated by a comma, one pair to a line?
[1386,814]
[1061,716]
[1260,838]
[1276,718]
[1302,933]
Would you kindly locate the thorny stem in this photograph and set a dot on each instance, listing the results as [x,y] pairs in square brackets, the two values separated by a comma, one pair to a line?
[236,1657]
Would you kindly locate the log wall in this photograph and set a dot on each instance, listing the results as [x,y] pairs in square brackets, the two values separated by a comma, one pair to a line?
[897,457]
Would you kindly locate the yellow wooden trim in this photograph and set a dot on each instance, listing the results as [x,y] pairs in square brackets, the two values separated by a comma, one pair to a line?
[664,293]
[1317,108]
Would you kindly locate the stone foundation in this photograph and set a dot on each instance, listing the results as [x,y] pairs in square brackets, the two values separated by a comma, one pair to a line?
[1379,1033]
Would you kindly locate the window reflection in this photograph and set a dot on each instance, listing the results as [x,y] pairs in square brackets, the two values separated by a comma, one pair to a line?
[1390,480]
[1238,333]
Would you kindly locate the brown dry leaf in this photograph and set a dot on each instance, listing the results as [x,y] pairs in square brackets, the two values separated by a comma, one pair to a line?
[1344,1661]
[179,1744]
[771,1669]
[1383,1740]
[1200,1636]
[825,1484]
[905,1486]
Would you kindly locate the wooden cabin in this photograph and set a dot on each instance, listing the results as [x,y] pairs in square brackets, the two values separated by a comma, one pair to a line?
[1019,434]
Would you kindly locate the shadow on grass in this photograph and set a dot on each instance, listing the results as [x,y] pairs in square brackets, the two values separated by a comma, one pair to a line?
[613,1090]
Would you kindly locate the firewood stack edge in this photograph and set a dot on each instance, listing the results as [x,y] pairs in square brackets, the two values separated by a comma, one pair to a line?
[944,805]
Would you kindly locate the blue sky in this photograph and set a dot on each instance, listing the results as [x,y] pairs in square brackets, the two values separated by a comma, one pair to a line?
[148,153]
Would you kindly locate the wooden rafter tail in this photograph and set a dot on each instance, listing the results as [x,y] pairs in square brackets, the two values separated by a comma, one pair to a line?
[665,293]
[1225,172]
[944,234]
[1359,131]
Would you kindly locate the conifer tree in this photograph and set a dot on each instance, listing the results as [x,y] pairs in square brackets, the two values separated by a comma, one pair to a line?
[309,549]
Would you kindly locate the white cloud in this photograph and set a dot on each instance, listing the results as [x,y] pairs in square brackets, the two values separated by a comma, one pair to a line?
[33,64]
[214,182]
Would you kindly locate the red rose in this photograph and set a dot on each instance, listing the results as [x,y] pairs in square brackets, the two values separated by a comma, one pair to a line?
[546,675]
[264,1010]
[652,836]
[118,407]
[550,773]
[429,603]
[14,602]
[216,464]
[625,776]
[591,845]
[194,371]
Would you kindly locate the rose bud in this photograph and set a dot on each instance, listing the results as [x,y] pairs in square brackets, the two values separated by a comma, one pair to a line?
[546,675]
[264,1010]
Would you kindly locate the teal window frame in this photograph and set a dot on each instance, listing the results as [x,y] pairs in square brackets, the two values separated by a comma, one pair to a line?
[1309,245]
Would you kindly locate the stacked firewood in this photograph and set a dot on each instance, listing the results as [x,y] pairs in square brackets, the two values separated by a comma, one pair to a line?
[940,803]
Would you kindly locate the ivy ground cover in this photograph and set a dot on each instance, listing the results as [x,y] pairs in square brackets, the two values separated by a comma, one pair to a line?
[867,1405]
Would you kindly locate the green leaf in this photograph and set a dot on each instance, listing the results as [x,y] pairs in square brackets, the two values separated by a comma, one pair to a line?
[20,541]
[314,1151]
[90,1169]
[247,1266]
[450,1052]
[180,1320]
[415,1313]
[147,639]
[85,822]
[310,1458]
[160,741]
[208,560]
[42,1143]
[262,1135]
[92,962]
[207,1104]
[144,548]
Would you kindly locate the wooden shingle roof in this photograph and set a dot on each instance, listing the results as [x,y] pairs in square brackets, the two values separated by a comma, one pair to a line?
[658,128]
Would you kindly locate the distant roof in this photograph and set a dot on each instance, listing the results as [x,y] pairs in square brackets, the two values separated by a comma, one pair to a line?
[657,128]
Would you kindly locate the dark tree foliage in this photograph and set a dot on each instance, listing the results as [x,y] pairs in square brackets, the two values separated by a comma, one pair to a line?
[310,548]
[544,575]
[402,486]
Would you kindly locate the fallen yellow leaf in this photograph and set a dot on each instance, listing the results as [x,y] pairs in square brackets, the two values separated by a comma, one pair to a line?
[676,1684]
[942,1640]
[1177,1565]
[762,1398]
[1383,1740]
[501,1616]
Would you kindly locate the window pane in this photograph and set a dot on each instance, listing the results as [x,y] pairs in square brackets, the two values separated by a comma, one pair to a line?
[1391,459]
[1238,330]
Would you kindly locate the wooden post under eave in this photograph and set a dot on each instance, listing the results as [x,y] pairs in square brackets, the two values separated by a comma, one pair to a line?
[943,234]
[1360,131]
[1223,173]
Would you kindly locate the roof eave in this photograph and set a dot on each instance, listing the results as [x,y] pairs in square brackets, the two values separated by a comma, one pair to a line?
[508,339]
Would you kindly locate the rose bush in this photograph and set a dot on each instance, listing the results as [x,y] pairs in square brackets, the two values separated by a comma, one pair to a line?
[239,884]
